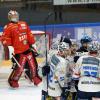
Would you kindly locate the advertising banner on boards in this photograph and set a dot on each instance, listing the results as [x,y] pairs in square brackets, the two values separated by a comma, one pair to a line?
[71,2]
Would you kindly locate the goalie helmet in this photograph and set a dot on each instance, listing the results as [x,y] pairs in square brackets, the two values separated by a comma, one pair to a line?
[62,46]
[13,16]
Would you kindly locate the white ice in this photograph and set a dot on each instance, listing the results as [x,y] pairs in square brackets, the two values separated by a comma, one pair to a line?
[26,91]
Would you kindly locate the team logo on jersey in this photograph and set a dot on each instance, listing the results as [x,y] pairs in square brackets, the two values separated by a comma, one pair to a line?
[22,37]
[25,42]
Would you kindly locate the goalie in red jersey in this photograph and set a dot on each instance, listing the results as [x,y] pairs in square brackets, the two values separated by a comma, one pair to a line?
[17,34]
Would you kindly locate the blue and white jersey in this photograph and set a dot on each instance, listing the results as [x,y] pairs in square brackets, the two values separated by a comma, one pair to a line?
[57,69]
[44,79]
[88,71]
[56,77]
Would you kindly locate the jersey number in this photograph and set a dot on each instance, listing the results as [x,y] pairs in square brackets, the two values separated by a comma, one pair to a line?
[93,74]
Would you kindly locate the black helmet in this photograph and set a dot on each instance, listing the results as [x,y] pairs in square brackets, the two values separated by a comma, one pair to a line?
[66,40]
[85,39]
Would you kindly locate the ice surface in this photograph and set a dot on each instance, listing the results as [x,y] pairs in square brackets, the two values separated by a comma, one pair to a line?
[26,91]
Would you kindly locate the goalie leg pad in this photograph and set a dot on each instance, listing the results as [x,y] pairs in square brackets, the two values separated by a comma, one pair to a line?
[33,68]
[14,77]
[27,71]
[16,73]
[14,84]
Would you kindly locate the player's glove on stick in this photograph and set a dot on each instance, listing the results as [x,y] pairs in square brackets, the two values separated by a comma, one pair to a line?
[65,91]
[45,70]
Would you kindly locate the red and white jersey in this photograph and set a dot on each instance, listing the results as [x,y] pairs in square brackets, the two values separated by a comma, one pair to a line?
[18,35]
[88,71]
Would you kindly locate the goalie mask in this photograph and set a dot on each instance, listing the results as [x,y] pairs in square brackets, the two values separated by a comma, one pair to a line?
[13,16]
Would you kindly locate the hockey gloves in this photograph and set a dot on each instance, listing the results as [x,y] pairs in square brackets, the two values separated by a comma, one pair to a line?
[65,92]
[45,70]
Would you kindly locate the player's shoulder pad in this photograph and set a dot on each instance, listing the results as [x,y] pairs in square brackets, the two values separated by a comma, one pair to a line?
[9,25]
[6,26]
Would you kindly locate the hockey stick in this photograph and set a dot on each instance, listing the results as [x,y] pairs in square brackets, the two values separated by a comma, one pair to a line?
[63,98]
[46,49]
[45,29]
[20,67]
[67,93]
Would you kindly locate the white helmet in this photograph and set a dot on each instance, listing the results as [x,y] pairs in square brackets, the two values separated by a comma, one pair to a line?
[62,46]
[93,47]
[13,16]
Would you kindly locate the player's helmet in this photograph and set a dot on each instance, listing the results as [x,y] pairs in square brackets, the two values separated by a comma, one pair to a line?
[93,47]
[66,40]
[85,39]
[13,16]
[62,46]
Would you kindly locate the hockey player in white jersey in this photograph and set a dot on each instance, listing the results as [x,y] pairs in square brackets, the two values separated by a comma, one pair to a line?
[45,72]
[53,51]
[88,71]
[58,70]
[71,58]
